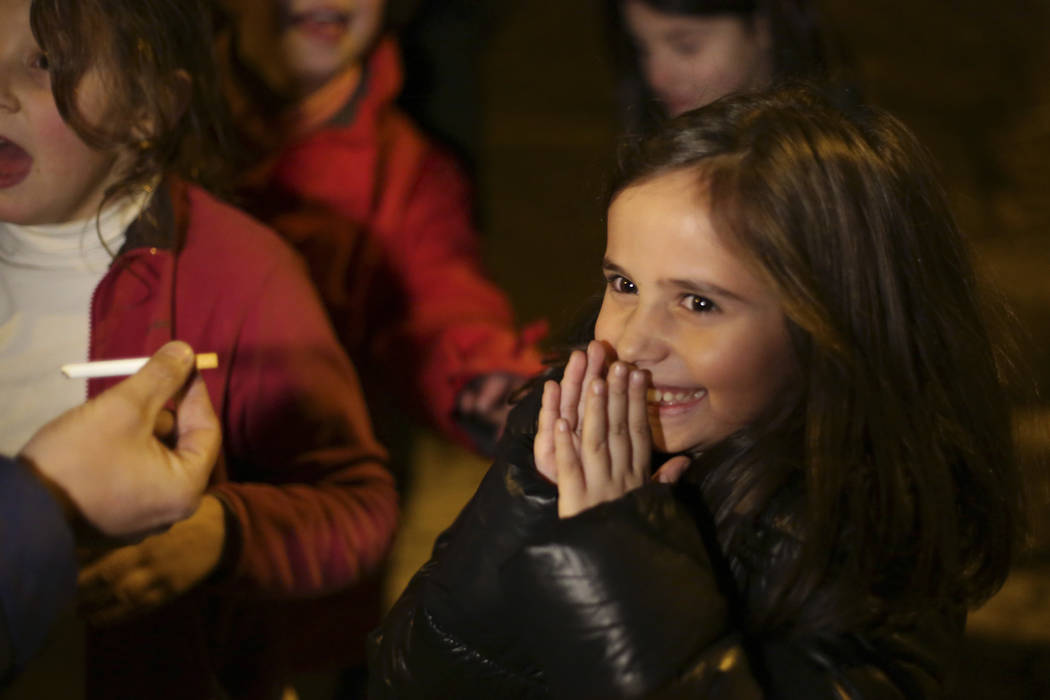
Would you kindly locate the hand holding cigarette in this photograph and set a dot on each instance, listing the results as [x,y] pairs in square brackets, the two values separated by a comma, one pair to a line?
[102,460]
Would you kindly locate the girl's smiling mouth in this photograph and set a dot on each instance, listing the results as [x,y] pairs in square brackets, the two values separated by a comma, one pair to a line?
[671,400]
[324,24]
[15,163]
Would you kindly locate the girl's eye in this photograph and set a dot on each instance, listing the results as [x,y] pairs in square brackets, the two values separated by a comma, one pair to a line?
[40,62]
[700,304]
[621,284]
[685,48]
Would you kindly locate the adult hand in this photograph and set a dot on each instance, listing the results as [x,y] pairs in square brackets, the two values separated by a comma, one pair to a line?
[103,459]
[485,399]
[565,400]
[612,455]
[132,580]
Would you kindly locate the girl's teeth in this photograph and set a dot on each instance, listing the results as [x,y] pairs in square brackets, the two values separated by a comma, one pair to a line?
[657,396]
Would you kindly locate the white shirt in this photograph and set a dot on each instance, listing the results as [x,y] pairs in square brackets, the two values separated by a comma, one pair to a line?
[47,277]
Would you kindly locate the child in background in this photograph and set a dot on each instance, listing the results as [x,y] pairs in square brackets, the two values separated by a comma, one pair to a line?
[677,55]
[110,113]
[313,87]
[791,338]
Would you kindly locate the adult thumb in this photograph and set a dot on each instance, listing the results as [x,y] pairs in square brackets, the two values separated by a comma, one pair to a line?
[160,378]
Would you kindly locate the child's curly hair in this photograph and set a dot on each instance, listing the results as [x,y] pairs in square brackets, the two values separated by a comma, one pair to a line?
[155,60]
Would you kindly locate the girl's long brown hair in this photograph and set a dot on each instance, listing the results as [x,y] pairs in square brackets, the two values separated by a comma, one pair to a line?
[897,445]
[155,59]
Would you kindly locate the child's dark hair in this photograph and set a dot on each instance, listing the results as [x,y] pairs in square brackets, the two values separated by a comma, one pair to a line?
[155,58]
[898,443]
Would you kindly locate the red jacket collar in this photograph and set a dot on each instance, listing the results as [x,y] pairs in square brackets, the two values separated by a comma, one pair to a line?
[381,82]
[163,223]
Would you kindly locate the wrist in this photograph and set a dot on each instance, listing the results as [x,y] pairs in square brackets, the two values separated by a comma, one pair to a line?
[222,520]
[69,509]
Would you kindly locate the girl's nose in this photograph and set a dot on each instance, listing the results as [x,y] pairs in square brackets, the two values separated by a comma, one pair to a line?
[8,99]
[641,339]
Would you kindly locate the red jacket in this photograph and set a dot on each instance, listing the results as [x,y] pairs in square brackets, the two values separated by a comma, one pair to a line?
[400,275]
[311,507]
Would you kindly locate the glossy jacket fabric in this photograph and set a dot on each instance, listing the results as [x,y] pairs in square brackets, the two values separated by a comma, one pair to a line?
[398,266]
[311,508]
[628,599]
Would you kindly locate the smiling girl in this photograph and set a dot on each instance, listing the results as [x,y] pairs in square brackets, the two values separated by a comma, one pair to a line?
[109,121]
[767,475]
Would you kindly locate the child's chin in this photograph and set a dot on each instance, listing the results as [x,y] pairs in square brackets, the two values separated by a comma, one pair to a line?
[671,443]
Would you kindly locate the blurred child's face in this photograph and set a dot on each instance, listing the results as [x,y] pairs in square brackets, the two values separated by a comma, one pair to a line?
[47,174]
[689,309]
[296,46]
[691,60]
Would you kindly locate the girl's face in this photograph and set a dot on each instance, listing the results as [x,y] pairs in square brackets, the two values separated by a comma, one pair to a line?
[681,304]
[691,60]
[296,46]
[47,174]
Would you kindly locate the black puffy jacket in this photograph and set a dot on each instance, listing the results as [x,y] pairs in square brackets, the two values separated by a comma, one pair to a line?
[620,601]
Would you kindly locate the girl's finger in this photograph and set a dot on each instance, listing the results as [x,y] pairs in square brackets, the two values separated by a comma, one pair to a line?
[621,456]
[543,445]
[572,386]
[638,421]
[594,440]
[571,485]
[672,470]
[549,406]
[597,365]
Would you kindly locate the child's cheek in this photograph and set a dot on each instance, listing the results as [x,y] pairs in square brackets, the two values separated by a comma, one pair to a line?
[59,134]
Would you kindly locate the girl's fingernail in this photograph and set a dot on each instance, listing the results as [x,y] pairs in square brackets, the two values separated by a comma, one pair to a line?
[619,369]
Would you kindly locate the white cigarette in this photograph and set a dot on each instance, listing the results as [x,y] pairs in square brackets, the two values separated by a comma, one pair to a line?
[122,368]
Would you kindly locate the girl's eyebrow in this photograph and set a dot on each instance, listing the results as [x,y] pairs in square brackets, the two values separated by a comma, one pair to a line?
[688,285]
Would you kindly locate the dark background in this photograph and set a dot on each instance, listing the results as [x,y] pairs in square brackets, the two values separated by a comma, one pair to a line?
[524,90]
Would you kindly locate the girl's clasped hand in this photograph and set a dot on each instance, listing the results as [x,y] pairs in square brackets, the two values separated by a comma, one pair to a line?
[593,438]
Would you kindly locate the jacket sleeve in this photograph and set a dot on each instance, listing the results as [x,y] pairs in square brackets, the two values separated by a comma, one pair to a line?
[36,560]
[621,602]
[455,324]
[311,506]
[449,635]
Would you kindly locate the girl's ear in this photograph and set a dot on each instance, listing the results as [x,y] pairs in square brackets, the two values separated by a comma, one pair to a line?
[172,100]
[180,90]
